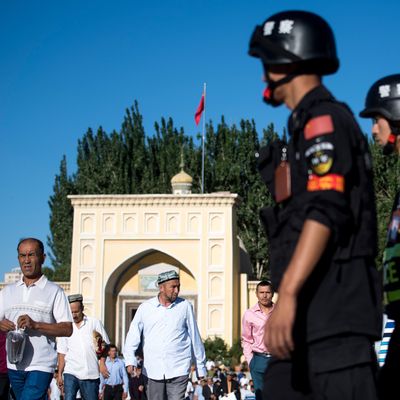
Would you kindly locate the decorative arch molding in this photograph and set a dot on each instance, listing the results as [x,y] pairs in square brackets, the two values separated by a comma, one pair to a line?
[216,286]
[215,318]
[87,255]
[122,274]
[109,223]
[129,223]
[125,271]
[216,223]
[194,220]
[215,254]
[87,223]
[87,287]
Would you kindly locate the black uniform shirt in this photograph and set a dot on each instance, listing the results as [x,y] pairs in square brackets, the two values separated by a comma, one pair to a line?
[331,180]
[391,263]
[332,171]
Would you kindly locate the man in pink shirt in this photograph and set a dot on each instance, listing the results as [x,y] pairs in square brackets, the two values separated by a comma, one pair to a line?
[253,323]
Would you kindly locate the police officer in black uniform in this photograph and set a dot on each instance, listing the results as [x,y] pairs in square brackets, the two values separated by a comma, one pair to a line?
[322,231]
[383,106]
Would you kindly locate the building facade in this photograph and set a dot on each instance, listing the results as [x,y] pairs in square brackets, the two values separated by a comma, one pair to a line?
[122,242]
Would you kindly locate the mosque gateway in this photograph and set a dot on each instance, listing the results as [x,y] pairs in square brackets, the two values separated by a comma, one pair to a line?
[122,242]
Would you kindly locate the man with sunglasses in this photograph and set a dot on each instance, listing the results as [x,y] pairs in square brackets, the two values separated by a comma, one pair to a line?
[322,235]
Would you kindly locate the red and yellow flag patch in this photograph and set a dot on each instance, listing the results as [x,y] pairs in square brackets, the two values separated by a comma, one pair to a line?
[318,126]
[328,182]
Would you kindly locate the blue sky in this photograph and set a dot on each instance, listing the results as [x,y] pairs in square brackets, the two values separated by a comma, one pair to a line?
[69,65]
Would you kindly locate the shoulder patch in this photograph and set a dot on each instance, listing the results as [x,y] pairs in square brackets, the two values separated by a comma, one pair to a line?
[328,182]
[317,126]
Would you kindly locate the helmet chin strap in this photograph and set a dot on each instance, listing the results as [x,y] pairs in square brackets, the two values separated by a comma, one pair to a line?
[389,147]
[268,95]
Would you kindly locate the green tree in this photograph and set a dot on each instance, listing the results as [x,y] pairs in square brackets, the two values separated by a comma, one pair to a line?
[133,154]
[386,182]
[254,196]
[61,219]
[130,161]
[216,349]
[235,353]
[165,149]
[99,163]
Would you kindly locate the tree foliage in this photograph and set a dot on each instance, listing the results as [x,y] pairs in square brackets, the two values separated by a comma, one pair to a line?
[386,181]
[61,219]
[217,350]
[129,161]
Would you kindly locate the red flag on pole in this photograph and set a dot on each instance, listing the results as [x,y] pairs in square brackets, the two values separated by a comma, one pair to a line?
[199,110]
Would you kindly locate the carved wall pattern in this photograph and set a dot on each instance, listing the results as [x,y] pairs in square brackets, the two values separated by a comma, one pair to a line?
[108,223]
[87,224]
[172,225]
[87,254]
[193,225]
[123,201]
[216,253]
[86,287]
[129,223]
[216,223]
[216,286]
[152,222]
[215,318]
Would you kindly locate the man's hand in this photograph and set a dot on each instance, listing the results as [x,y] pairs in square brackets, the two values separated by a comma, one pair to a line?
[124,395]
[25,321]
[6,325]
[60,383]
[103,369]
[131,370]
[140,388]
[278,334]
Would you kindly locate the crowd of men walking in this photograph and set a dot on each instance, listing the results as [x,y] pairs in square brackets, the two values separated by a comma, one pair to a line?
[316,341]
[83,363]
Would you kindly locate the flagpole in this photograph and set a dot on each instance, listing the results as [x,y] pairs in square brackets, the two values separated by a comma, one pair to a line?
[203,140]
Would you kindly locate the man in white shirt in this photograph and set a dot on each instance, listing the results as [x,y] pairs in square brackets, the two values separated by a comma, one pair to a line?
[78,355]
[40,308]
[170,338]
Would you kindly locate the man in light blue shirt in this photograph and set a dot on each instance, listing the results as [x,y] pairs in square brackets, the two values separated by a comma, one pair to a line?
[198,390]
[170,339]
[115,387]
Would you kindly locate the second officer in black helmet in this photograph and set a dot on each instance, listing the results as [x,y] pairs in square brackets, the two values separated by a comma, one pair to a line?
[322,233]
[383,106]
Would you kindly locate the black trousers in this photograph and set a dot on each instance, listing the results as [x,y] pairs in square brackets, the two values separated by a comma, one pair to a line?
[4,386]
[113,392]
[336,368]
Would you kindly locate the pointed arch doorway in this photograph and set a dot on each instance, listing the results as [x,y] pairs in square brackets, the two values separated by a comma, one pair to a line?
[135,281]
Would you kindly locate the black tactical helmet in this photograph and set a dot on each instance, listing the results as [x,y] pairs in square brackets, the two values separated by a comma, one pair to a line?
[383,98]
[296,37]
